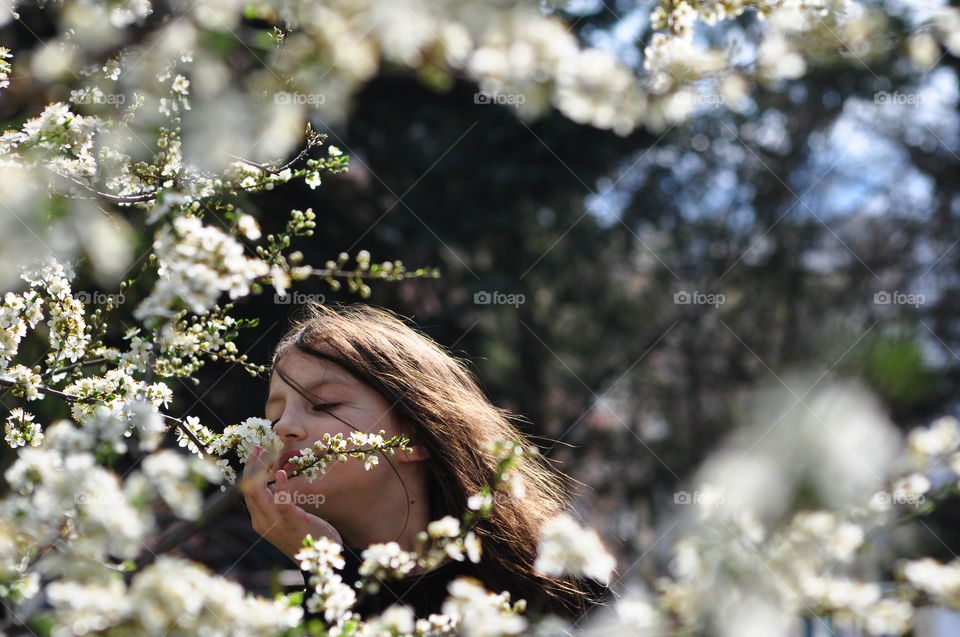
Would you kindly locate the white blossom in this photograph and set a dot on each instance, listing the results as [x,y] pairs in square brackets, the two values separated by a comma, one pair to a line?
[395,620]
[197,264]
[567,548]
[245,436]
[20,429]
[25,381]
[479,613]
[249,227]
[447,526]
[170,476]
[940,438]
[386,561]
[170,595]
[329,593]
[313,180]
[940,581]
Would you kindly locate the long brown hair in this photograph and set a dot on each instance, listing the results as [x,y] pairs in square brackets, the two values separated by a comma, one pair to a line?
[436,394]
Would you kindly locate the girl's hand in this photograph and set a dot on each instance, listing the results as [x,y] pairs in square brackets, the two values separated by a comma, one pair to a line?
[273,513]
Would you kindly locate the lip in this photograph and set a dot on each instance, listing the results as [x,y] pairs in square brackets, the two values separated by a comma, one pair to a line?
[285,459]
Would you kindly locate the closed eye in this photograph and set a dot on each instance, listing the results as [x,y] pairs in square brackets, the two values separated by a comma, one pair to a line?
[325,406]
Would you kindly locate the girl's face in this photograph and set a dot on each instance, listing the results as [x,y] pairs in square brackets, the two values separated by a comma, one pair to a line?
[338,403]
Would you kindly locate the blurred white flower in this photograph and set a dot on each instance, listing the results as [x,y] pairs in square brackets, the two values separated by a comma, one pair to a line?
[567,548]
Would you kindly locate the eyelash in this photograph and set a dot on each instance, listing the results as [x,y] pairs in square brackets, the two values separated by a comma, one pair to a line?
[317,407]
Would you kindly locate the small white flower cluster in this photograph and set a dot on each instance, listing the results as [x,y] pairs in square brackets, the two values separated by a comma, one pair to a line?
[395,621]
[795,569]
[478,613]
[509,454]
[249,177]
[57,129]
[115,390]
[909,488]
[197,264]
[678,18]
[108,430]
[169,473]
[940,581]
[20,429]
[330,594]
[777,59]
[444,537]
[823,531]
[385,561]
[137,356]
[567,548]
[182,342]
[179,90]
[25,381]
[225,474]
[534,61]
[244,437]
[313,461]
[18,312]
[513,483]
[68,330]
[447,526]
[480,501]
[249,227]
[937,440]
[68,493]
[171,596]
[673,61]
[922,465]
[5,67]
[127,12]
[202,433]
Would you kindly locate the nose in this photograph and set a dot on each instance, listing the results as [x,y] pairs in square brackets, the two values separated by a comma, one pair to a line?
[289,426]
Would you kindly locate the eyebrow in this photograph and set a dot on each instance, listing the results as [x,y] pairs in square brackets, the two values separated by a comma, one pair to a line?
[315,385]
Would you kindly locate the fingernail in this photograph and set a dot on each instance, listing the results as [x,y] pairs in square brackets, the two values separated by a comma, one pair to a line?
[256,449]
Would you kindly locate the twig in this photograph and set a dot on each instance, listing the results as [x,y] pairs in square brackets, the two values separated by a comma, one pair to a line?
[93,361]
[140,198]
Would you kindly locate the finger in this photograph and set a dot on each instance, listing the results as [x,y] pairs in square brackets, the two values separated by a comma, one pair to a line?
[263,501]
[285,503]
[254,473]
[252,458]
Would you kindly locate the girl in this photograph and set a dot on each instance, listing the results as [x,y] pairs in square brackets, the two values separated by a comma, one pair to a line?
[356,368]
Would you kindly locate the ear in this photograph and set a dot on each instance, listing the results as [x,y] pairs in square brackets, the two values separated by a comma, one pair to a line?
[420,451]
